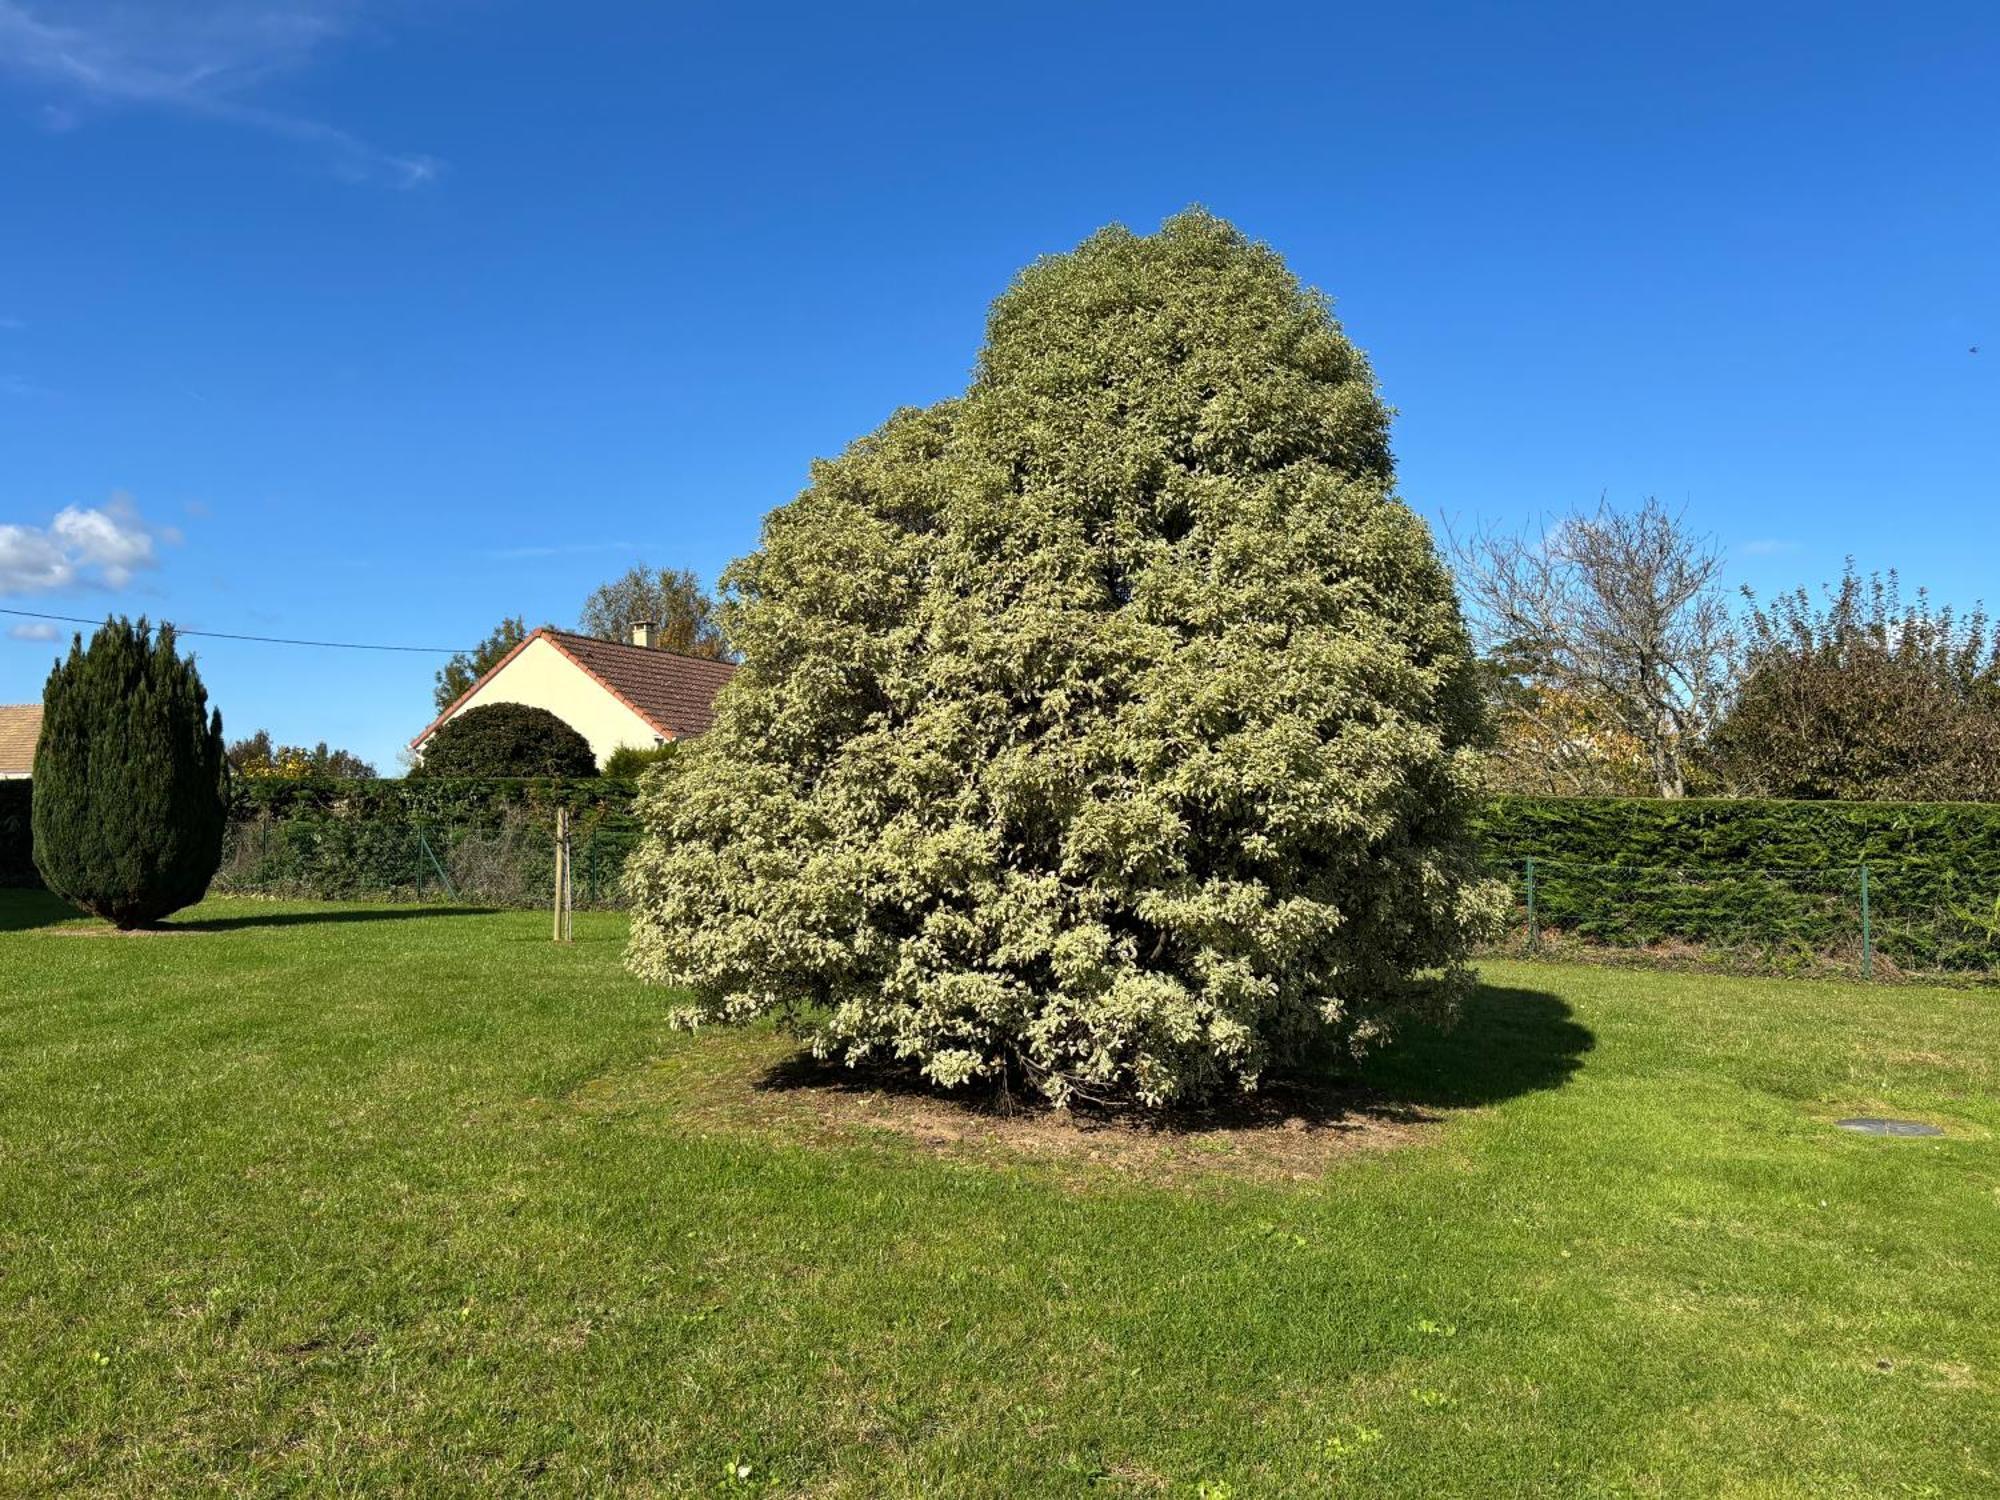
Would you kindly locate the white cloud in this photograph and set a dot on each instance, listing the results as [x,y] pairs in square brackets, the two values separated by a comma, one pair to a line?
[1768,547]
[199,57]
[40,630]
[82,547]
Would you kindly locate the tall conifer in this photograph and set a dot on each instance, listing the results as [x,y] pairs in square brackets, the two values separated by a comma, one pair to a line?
[131,788]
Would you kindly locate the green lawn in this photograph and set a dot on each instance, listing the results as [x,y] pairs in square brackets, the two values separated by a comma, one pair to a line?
[340,1199]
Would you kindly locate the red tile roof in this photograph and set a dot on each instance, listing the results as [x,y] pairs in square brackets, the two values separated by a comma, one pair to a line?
[673,693]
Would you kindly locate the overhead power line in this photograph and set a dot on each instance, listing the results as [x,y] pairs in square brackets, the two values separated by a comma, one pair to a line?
[267,640]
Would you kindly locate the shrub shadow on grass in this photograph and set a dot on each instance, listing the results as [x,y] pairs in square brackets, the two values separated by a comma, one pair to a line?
[1508,1042]
[319,918]
[24,908]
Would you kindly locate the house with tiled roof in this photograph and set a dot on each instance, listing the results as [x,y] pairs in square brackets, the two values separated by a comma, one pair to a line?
[20,728]
[614,693]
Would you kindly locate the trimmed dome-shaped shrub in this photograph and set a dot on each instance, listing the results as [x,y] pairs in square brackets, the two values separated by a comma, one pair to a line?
[506,739]
[1108,729]
[131,787]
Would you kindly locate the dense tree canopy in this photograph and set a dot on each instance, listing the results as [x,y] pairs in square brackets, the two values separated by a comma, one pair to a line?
[1109,729]
[258,755]
[671,600]
[131,787]
[1862,695]
[506,739]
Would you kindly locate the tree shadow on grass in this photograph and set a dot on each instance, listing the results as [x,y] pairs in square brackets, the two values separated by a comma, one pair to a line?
[25,908]
[322,918]
[1507,1042]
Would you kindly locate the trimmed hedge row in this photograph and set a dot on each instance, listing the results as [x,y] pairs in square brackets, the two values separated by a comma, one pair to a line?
[1781,878]
[506,863]
[443,800]
[336,839]
[1747,833]
[1784,876]
[479,838]
[17,835]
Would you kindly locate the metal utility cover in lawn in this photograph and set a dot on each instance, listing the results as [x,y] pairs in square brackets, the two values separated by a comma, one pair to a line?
[1889,1127]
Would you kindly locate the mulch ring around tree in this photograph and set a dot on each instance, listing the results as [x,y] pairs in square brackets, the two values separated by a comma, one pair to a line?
[763,1084]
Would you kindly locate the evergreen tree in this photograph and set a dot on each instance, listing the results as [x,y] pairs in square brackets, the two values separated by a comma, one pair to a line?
[1110,729]
[131,785]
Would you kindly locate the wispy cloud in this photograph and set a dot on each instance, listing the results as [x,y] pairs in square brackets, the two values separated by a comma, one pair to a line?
[199,57]
[559,549]
[11,325]
[1768,547]
[39,630]
[94,546]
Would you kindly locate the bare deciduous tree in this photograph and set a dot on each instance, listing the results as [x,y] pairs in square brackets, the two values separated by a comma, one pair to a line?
[1621,609]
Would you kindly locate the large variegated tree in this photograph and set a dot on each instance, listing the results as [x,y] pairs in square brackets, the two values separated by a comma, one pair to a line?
[1107,729]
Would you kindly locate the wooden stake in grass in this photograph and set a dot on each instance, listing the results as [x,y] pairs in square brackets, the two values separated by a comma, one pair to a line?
[565,896]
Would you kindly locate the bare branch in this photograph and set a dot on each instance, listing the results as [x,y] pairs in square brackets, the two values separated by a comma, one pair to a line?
[1622,609]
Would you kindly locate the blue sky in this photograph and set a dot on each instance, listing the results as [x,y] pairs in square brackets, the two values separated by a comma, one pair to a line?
[376,320]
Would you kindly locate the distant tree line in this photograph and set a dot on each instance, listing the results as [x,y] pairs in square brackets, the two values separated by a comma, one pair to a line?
[1615,665]
[257,755]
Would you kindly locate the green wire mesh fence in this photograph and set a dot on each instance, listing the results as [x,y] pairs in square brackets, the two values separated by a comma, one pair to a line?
[1874,920]
[508,862]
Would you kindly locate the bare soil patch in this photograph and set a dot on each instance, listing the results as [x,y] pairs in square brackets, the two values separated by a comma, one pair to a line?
[1289,1131]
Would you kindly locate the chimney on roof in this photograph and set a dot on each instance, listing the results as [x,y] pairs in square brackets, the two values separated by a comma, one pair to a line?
[642,632]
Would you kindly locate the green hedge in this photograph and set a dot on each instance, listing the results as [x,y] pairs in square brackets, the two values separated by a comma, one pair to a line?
[17,836]
[1779,878]
[443,800]
[337,838]
[479,839]
[1784,876]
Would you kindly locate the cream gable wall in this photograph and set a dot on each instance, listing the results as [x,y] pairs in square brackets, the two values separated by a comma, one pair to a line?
[542,677]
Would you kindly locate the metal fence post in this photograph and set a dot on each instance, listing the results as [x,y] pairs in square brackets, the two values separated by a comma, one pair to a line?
[1534,932]
[1867,930]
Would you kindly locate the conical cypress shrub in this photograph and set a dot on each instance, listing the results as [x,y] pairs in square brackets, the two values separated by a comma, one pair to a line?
[131,787]
[1111,727]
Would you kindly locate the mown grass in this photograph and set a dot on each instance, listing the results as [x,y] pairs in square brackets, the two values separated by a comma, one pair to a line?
[338,1200]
